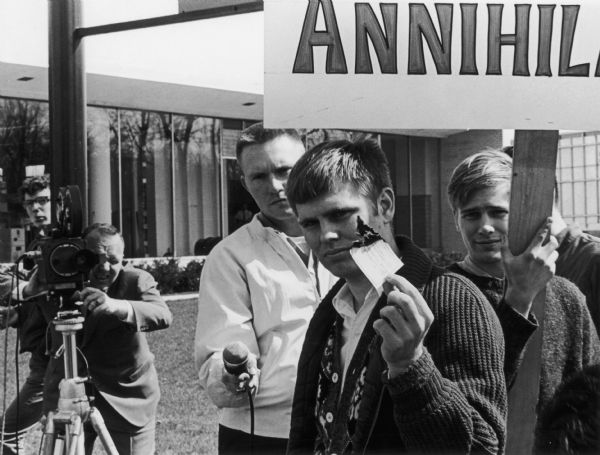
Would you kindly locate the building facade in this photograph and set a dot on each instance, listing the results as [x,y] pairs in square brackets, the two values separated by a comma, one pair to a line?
[170,181]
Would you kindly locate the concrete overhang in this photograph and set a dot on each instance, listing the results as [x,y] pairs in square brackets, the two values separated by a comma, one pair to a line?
[112,91]
[421,133]
[127,93]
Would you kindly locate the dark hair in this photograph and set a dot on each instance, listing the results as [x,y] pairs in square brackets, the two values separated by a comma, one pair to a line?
[102,229]
[33,185]
[328,165]
[482,170]
[570,422]
[257,134]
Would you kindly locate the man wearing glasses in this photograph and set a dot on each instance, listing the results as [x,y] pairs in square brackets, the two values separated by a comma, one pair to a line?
[23,413]
[36,200]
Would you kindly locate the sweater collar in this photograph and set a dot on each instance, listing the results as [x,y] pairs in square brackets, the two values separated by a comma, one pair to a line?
[417,266]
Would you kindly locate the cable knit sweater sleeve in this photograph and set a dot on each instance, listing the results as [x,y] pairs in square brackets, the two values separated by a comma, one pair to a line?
[456,390]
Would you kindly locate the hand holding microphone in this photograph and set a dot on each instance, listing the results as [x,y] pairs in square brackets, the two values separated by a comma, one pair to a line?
[241,371]
[233,376]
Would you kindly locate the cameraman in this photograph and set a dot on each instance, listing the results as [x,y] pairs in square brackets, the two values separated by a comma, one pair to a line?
[119,304]
[23,413]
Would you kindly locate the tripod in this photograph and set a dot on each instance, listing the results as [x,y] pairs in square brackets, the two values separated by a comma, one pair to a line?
[63,429]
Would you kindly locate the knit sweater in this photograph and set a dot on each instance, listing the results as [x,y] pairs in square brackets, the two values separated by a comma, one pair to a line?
[569,340]
[453,398]
[579,261]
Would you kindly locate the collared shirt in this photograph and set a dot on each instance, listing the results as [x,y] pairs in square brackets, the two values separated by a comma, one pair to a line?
[354,322]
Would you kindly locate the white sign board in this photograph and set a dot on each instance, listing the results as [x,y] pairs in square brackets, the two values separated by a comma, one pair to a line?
[447,65]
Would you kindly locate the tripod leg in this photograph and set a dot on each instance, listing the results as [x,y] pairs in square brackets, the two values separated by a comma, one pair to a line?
[76,430]
[81,443]
[59,446]
[103,434]
[48,436]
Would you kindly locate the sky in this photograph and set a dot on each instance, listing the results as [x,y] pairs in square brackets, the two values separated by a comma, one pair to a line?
[225,53]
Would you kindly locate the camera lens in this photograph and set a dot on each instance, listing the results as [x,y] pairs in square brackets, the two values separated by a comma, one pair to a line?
[62,259]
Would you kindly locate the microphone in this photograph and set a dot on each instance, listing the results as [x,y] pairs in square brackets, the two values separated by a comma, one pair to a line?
[235,358]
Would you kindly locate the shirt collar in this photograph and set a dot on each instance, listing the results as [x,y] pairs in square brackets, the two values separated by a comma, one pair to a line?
[343,301]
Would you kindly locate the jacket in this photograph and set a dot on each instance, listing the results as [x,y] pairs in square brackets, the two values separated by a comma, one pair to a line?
[579,261]
[453,399]
[257,290]
[120,362]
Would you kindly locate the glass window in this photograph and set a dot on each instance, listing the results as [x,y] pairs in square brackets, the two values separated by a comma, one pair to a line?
[579,173]
[566,199]
[591,197]
[102,143]
[196,171]
[578,156]
[564,141]
[566,174]
[565,157]
[590,155]
[239,206]
[579,201]
[144,135]
[24,141]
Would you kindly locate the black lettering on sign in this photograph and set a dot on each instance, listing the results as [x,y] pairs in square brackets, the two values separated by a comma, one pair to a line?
[384,44]
[468,14]
[421,26]
[330,37]
[545,40]
[520,40]
[567,37]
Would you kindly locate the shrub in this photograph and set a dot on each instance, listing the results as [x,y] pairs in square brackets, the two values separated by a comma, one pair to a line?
[172,278]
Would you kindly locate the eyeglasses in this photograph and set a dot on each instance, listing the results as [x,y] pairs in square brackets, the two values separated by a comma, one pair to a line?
[42,200]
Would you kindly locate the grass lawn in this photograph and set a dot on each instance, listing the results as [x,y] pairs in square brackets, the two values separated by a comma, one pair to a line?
[186,421]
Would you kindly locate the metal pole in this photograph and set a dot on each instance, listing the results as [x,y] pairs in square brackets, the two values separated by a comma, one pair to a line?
[67,95]
[173,189]
[209,12]
[120,170]
[410,188]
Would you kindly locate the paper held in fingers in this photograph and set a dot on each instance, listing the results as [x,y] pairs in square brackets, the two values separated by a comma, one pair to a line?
[373,256]
[376,261]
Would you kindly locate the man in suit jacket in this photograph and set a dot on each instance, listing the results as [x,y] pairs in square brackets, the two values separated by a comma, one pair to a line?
[120,303]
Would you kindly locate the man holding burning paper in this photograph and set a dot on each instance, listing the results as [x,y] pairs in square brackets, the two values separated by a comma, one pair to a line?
[407,360]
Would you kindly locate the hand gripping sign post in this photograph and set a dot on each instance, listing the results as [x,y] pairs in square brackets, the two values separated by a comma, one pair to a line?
[532,66]
[531,203]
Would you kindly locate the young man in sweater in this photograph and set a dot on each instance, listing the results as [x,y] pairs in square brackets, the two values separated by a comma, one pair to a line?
[259,286]
[479,194]
[414,365]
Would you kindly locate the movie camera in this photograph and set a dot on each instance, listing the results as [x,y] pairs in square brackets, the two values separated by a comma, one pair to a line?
[63,264]
[62,260]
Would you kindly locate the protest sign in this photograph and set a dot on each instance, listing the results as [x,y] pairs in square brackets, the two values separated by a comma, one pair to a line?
[370,64]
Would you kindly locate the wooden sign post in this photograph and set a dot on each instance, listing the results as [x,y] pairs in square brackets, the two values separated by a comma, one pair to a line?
[532,188]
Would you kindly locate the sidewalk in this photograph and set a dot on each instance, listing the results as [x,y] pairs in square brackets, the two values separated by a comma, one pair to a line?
[181,296]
